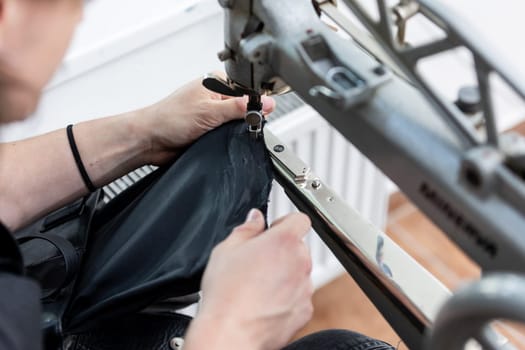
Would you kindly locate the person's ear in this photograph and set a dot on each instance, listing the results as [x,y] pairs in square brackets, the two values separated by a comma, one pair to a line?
[2,23]
[4,4]
[13,20]
[1,12]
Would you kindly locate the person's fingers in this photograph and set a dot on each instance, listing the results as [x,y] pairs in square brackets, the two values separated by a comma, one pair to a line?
[303,306]
[219,73]
[279,220]
[306,291]
[243,98]
[307,257]
[267,101]
[230,109]
[297,224]
[268,104]
[307,307]
[252,227]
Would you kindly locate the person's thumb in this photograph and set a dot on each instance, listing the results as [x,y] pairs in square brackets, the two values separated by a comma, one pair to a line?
[231,108]
[252,227]
[235,107]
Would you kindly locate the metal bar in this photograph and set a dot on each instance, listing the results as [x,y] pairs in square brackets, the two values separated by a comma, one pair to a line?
[460,33]
[401,132]
[460,28]
[385,22]
[413,135]
[354,241]
[463,130]
[399,123]
[363,39]
[486,99]
[414,54]
[469,312]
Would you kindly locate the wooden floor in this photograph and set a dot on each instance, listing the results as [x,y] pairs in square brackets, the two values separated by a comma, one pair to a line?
[341,304]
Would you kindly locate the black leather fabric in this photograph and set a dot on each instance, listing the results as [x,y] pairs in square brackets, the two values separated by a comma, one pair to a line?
[68,253]
[135,332]
[53,246]
[159,245]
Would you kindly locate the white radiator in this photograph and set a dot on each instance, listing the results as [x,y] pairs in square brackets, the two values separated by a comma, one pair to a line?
[338,163]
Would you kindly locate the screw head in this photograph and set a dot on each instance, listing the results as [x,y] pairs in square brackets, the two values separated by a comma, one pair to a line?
[473,177]
[469,100]
[316,184]
[278,148]
[176,343]
[225,55]
[380,70]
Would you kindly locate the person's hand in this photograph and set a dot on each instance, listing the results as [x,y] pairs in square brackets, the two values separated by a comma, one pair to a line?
[187,114]
[256,288]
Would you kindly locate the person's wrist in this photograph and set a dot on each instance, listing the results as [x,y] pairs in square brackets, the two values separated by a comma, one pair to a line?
[140,129]
[153,136]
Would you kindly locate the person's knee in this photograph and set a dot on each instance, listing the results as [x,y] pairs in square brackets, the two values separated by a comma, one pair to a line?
[338,339]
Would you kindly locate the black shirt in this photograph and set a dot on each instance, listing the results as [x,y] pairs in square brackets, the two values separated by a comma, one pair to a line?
[20,309]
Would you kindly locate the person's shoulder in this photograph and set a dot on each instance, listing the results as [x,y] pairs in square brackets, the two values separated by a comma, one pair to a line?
[21,313]
[10,257]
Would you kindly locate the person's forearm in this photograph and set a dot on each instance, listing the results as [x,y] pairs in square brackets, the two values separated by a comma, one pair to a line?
[39,174]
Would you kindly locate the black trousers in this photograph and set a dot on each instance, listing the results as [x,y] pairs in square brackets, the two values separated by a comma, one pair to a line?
[338,339]
[156,244]
[155,332]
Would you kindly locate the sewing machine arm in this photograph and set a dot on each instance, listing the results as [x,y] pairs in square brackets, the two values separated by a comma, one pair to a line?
[470,184]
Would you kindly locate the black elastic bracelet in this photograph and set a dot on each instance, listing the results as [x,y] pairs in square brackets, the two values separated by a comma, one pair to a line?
[78,160]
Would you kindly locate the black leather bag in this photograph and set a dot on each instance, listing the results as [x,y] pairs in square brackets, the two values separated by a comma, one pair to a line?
[158,246]
[153,241]
[53,247]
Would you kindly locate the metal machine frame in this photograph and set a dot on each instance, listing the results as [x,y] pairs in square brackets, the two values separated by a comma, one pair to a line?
[470,184]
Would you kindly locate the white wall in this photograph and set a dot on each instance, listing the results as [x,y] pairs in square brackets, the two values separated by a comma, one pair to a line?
[127,54]
[498,22]
[500,26]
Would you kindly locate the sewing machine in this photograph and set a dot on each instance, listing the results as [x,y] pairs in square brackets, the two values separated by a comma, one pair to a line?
[465,176]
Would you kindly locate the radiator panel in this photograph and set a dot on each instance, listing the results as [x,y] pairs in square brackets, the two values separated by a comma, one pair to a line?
[337,162]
